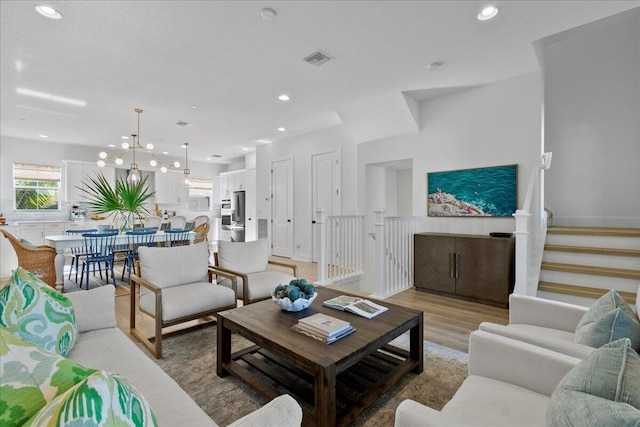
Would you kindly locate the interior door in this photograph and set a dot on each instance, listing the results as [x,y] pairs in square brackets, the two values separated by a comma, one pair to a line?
[282,208]
[325,193]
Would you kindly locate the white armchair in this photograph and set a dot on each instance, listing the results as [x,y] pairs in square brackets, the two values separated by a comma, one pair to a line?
[509,384]
[174,284]
[248,262]
[546,323]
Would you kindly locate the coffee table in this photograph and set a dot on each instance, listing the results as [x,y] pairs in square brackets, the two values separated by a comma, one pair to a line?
[333,383]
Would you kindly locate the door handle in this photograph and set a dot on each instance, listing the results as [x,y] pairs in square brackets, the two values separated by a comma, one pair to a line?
[288,220]
[452,262]
[313,222]
[457,262]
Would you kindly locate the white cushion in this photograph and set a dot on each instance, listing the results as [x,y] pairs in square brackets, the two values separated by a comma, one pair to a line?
[244,257]
[110,350]
[283,411]
[260,284]
[94,309]
[552,339]
[483,401]
[185,300]
[177,265]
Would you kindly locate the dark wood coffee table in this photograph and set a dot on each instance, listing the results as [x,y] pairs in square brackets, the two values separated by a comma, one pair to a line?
[333,383]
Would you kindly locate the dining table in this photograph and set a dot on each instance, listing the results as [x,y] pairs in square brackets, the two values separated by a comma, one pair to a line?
[67,241]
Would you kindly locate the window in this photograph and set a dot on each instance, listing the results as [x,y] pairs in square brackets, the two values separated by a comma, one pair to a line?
[201,184]
[37,187]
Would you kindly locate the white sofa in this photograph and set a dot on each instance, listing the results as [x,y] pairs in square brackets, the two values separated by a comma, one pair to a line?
[102,345]
[546,323]
[509,384]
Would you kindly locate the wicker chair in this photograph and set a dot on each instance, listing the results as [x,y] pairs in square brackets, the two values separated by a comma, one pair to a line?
[36,259]
[201,233]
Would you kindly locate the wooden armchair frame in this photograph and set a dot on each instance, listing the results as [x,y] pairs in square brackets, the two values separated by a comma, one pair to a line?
[155,347]
[38,260]
[225,272]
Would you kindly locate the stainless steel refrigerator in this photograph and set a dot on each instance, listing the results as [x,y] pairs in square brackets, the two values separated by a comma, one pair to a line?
[239,213]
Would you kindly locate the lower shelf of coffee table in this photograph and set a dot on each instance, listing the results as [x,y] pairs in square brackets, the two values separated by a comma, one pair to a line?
[357,388]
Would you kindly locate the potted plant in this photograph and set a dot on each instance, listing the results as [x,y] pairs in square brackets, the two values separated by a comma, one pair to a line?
[123,201]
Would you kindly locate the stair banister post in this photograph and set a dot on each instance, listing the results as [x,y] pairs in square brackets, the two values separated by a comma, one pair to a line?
[380,264]
[322,238]
[522,252]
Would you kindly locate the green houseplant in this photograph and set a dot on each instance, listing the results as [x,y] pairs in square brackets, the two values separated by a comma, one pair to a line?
[123,201]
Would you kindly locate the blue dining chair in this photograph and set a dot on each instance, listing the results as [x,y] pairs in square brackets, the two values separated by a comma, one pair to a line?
[99,248]
[78,252]
[176,237]
[135,239]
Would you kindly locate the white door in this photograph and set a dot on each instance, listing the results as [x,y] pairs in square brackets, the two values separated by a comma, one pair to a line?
[251,222]
[282,208]
[325,192]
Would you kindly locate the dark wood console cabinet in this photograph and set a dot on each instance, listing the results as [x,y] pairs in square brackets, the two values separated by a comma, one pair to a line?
[474,267]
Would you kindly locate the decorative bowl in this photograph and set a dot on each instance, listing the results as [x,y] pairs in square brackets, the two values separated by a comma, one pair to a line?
[297,305]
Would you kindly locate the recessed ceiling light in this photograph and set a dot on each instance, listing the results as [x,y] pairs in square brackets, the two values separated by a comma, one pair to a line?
[245,149]
[264,141]
[284,97]
[207,158]
[48,12]
[487,13]
[43,136]
[124,137]
[165,152]
[281,129]
[194,106]
[111,145]
[268,13]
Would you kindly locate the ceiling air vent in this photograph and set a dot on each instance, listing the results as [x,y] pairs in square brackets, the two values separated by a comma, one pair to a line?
[317,58]
[217,155]
[184,124]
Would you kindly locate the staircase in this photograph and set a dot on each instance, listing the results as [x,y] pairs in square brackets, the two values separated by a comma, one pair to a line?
[580,264]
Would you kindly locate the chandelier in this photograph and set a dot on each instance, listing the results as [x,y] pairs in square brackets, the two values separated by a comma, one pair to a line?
[134,173]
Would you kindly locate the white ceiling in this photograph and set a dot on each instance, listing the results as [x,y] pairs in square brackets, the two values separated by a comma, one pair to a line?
[225,58]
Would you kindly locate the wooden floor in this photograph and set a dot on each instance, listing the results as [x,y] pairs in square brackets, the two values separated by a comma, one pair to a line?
[447,321]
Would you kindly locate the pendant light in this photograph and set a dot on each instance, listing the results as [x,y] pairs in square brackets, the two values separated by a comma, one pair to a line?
[186,180]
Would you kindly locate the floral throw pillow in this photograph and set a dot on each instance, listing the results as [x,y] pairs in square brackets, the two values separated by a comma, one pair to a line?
[37,313]
[31,377]
[102,399]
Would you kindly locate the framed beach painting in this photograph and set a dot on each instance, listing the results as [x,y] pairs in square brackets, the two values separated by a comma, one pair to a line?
[485,192]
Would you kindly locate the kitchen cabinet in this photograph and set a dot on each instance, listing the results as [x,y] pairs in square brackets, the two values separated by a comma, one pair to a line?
[76,173]
[232,181]
[35,232]
[170,188]
[473,267]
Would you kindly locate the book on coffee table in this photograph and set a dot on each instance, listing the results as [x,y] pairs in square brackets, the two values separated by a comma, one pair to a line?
[313,334]
[324,325]
[360,306]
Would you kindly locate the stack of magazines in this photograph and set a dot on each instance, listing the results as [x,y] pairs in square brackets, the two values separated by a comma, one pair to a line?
[324,328]
[356,305]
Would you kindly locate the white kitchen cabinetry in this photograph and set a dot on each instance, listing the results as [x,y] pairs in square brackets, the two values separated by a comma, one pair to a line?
[170,188]
[232,181]
[76,173]
[34,232]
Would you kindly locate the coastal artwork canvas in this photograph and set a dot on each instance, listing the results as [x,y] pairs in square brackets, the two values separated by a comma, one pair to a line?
[486,192]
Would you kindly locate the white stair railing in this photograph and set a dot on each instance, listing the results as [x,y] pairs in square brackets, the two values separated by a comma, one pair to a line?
[398,253]
[341,249]
[531,230]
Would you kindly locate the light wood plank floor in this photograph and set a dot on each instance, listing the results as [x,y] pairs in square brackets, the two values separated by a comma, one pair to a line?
[447,321]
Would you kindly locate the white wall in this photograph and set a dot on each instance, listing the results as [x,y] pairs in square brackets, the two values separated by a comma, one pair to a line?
[592,123]
[497,124]
[47,153]
[301,149]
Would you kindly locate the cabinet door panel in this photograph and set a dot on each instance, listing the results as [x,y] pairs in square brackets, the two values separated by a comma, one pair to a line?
[432,263]
[481,268]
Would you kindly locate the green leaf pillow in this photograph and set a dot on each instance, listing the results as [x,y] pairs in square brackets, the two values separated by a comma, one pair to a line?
[31,377]
[102,399]
[610,318]
[35,312]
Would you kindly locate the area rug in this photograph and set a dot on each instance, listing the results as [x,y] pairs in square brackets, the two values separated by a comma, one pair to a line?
[190,359]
